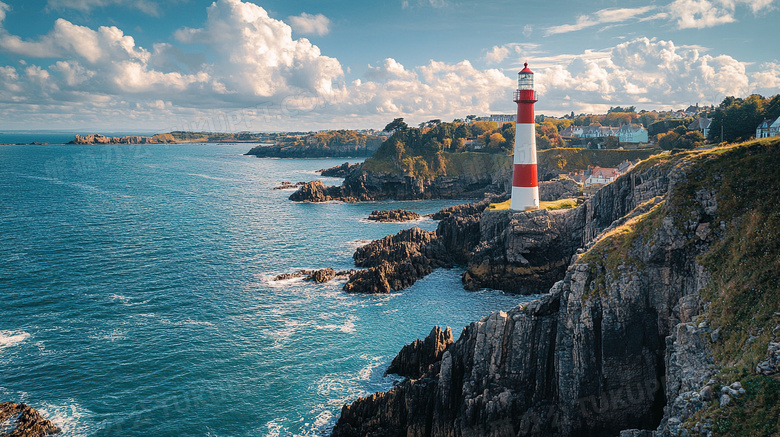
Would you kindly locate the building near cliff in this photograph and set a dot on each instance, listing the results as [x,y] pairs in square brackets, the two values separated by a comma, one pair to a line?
[525,181]
[632,133]
[702,125]
[768,128]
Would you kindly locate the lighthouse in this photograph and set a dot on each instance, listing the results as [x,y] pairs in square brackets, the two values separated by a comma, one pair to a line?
[525,182]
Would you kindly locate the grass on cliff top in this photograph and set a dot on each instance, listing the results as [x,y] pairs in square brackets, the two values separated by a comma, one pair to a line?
[551,206]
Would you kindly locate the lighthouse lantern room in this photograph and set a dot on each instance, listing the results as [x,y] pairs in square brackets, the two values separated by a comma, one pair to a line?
[525,182]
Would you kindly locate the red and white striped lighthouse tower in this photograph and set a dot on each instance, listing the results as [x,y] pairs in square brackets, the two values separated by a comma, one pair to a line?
[525,182]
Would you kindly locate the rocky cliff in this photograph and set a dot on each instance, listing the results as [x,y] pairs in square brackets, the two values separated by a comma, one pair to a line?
[517,252]
[670,297]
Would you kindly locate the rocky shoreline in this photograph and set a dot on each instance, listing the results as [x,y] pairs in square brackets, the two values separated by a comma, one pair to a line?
[619,344]
[24,421]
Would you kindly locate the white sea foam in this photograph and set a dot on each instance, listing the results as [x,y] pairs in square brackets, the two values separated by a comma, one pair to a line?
[12,338]
[127,301]
[71,418]
[347,327]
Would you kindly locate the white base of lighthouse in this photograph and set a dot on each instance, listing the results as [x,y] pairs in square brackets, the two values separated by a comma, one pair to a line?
[524,198]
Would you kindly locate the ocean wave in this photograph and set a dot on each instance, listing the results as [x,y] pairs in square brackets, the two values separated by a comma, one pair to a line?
[70,418]
[12,338]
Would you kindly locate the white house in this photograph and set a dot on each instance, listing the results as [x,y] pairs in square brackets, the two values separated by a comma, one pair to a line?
[632,133]
[599,175]
[768,128]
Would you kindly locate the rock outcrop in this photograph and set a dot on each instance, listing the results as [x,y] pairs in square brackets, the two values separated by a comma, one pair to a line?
[130,139]
[339,171]
[620,345]
[360,185]
[416,358]
[396,215]
[561,187]
[24,421]
[287,185]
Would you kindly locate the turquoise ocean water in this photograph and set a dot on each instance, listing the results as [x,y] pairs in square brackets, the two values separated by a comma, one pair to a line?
[138,300]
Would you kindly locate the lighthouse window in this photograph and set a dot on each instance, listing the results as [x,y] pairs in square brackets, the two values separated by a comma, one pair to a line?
[525,81]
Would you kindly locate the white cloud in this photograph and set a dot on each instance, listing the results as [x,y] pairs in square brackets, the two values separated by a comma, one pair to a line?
[698,14]
[308,24]
[497,54]
[435,90]
[147,6]
[658,74]
[527,30]
[603,16]
[767,80]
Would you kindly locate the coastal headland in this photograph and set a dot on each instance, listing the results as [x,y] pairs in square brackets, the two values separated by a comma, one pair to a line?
[643,322]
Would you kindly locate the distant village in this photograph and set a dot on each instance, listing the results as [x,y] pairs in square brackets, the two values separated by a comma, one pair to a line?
[620,128]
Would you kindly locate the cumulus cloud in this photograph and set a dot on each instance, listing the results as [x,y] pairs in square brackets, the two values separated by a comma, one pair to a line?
[658,74]
[698,14]
[497,54]
[308,24]
[257,54]
[767,79]
[435,90]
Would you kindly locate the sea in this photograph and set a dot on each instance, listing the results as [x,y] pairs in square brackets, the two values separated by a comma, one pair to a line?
[138,292]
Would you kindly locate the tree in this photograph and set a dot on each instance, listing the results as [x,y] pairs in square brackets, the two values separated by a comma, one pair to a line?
[496,141]
[680,138]
[621,109]
[737,118]
[396,125]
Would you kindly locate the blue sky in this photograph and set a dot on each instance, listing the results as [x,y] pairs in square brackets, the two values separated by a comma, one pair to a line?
[233,65]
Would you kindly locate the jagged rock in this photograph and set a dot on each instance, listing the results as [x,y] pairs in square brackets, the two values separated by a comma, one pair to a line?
[360,185]
[322,275]
[286,185]
[414,359]
[24,421]
[314,191]
[523,252]
[339,171]
[396,215]
[394,262]
[561,187]
[285,276]
[468,209]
